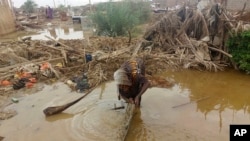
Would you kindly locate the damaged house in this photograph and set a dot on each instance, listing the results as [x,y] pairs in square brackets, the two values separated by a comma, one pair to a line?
[7,18]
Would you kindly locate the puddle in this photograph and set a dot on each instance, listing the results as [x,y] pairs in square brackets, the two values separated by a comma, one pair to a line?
[67,32]
[62,32]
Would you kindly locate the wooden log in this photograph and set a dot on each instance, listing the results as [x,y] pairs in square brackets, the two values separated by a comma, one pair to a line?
[49,111]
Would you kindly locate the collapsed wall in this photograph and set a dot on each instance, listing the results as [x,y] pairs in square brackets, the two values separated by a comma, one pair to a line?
[7,20]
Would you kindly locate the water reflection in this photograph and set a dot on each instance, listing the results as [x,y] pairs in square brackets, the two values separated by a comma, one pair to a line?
[138,130]
[228,91]
[61,116]
[62,32]
[66,30]
[156,120]
[52,32]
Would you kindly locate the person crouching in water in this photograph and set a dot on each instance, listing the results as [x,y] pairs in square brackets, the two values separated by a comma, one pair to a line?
[131,81]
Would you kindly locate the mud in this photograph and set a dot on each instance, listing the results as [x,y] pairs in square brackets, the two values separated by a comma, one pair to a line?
[175,113]
[157,119]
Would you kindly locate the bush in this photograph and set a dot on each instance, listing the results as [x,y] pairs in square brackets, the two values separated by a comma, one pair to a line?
[29,6]
[239,47]
[119,18]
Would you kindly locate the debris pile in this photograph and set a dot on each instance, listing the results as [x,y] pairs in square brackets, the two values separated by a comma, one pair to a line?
[79,63]
[185,38]
[194,38]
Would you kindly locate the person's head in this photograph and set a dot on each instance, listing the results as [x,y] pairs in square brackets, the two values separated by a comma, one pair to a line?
[121,78]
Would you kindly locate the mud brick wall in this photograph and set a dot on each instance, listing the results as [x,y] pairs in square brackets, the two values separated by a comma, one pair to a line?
[7,21]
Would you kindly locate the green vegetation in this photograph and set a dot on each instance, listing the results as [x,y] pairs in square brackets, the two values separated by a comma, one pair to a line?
[120,18]
[239,47]
[29,6]
[62,8]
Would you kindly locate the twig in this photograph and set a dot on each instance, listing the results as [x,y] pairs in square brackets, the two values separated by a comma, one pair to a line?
[136,50]
[58,42]
[113,54]
[193,49]
[118,108]
[221,51]
[243,9]
[227,19]
[50,47]
[198,100]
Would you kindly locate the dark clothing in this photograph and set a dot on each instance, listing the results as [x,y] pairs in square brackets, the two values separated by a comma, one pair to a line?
[136,74]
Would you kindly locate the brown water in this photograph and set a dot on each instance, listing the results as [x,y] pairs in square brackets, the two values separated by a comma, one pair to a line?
[63,31]
[200,106]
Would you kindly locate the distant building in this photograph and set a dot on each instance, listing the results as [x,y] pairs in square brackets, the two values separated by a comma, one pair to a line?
[7,19]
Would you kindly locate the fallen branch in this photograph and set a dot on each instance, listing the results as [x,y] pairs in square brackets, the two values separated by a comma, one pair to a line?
[49,111]
[136,49]
[68,48]
[221,51]
[59,49]
[58,42]
[243,9]
[113,54]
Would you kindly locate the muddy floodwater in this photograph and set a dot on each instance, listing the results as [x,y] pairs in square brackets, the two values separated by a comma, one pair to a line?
[63,31]
[60,32]
[200,106]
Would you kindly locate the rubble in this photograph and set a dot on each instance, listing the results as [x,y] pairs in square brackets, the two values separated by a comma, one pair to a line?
[183,38]
[195,38]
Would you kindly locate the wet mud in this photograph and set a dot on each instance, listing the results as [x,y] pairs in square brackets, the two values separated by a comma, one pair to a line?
[200,106]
